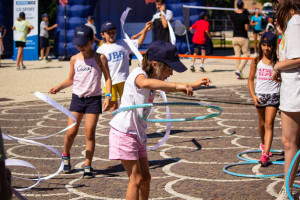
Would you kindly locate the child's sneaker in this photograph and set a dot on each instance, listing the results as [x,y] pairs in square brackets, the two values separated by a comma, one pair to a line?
[88,172]
[239,74]
[262,147]
[264,160]
[202,69]
[192,68]
[282,194]
[67,165]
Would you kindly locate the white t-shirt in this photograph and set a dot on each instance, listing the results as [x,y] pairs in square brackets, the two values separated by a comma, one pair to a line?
[130,121]
[168,15]
[290,85]
[117,55]
[264,82]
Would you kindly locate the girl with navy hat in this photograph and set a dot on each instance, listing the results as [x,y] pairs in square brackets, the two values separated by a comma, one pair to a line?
[265,95]
[86,69]
[127,137]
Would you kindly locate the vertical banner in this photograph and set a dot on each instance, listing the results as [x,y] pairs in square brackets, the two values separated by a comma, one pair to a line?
[30,8]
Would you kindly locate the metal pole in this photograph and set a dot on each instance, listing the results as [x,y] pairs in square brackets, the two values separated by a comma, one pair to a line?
[65,26]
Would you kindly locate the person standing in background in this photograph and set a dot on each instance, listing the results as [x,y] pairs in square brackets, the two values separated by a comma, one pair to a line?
[160,22]
[255,21]
[22,28]
[240,40]
[201,28]
[44,37]
[91,23]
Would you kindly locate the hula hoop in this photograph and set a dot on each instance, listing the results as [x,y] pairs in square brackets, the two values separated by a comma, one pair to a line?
[250,175]
[258,151]
[147,105]
[289,174]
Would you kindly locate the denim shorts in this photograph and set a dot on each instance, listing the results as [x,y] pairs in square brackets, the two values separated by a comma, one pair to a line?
[268,100]
[86,104]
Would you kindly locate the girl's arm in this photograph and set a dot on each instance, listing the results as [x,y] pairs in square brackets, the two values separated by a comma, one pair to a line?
[153,84]
[287,64]
[69,81]
[148,27]
[252,23]
[102,62]
[251,83]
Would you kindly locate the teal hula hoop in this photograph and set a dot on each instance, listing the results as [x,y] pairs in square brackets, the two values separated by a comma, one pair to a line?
[250,175]
[147,105]
[289,174]
[258,151]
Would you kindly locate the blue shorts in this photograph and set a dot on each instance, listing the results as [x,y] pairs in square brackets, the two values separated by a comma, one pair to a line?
[86,104]
[199,46]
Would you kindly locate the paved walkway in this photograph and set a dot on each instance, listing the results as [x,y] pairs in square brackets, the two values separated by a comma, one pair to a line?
[188,166]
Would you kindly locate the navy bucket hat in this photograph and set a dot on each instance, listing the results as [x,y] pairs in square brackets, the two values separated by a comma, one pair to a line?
[167,53]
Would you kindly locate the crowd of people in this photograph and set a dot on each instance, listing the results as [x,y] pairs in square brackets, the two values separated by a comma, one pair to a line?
[277,86]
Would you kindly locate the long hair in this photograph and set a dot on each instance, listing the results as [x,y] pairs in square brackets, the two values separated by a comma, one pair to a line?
[273,58]
[283,13]
[148,67]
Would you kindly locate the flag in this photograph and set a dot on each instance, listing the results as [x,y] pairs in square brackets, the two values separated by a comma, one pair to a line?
[63,2]
[149,1]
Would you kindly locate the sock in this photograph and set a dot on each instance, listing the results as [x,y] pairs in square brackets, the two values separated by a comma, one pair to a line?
[65,154]
[192,64]
[201,65]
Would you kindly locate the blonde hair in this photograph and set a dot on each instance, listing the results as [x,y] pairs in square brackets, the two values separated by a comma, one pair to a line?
[147,66]
[283,13]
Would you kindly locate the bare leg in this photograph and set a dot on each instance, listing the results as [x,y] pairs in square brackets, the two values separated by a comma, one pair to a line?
[269,127]
[90,130]
[290,140]
[196,51]
[145,186]
[19,56]
[261,123]
[203,54]
[42,53]
[72,132]
[255,42]
[47,52]
[134,173]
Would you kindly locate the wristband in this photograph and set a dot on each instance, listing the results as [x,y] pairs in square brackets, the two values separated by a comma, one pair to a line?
[108,96]
[275,70]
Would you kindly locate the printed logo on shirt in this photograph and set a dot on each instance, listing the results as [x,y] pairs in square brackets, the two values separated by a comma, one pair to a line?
[82,68]
[115,56]
[264,74]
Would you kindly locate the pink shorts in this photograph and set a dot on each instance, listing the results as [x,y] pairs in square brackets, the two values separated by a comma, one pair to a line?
[123,146]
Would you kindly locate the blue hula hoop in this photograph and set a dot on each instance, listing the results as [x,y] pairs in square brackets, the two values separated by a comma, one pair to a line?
[147,105]
[250,175]
[258,151]
[289,174]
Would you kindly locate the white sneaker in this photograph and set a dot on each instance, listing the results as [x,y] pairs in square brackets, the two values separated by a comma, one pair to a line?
[282,194]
